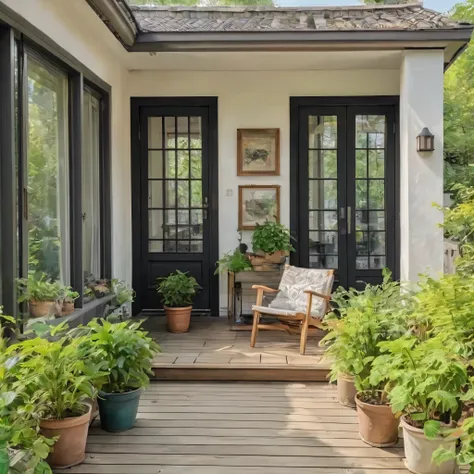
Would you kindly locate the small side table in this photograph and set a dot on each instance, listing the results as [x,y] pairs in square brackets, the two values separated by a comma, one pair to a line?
[236,281]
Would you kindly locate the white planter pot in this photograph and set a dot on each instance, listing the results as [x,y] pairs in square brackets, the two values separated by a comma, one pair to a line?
[419,450]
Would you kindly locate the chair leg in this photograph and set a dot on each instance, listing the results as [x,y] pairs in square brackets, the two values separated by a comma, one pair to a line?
[256,320]
[304,334]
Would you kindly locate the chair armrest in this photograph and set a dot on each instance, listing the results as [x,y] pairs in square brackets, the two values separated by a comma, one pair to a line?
[264,288]
[320,295]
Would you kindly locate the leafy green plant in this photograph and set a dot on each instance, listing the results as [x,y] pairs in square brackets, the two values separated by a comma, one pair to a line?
[233,262]
[20,440]
[363,319]
[124,352]
[444,309]
[424,380]
[271,237]
[122,292]
[55,376]
[38,288]
[177,289]
[68,295]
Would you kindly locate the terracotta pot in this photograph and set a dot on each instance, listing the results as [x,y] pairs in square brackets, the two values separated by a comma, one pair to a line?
[178,319]
[67,308]
[346,390]
[378,426]
[419,449]
[276,257]
[39,309]
[69,450]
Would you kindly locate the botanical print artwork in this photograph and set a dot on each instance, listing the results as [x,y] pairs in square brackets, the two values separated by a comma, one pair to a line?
[258,204]
[258,152]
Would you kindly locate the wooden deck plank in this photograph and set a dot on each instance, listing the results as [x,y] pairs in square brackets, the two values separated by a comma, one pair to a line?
[230,428]
[183,469]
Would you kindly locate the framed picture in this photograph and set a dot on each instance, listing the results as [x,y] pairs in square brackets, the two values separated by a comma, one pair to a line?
[258,204]
[258,152]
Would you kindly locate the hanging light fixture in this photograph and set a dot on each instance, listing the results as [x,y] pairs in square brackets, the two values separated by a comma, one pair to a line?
[425,141]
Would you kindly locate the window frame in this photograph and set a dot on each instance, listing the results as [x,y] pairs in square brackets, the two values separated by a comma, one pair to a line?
[19,40]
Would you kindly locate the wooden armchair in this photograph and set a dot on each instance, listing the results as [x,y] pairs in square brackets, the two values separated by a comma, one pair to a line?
[302,301]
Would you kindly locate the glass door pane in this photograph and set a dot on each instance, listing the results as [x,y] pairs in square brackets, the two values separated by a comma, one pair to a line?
[323,191]
[370,139]
[48,172]
[175,187]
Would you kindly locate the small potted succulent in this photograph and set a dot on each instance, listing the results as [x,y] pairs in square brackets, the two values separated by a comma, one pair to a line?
[68,297]
[128,352]
[272,240]
[41,294]
[177,291]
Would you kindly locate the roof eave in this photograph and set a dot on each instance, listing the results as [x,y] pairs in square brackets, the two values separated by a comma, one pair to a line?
[284,40]
[118,18]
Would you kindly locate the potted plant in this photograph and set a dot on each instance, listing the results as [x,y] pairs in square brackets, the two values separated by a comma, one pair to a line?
[425,382]
[41,294]
[68,297]
[128,352]
[361,321]
[272,240]
[56,379]
[233,262]
[177,291]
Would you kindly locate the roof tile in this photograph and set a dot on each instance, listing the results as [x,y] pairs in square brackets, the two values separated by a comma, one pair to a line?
[208,19]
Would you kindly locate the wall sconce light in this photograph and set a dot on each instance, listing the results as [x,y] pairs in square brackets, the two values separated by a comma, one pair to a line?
[425,141]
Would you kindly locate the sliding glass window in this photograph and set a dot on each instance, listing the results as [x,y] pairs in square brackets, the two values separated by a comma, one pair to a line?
[91,229]
[47,171]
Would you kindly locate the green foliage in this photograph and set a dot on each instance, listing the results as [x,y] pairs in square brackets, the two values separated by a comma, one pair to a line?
[458,107]
[123,294]
[443,308]
[38,287]
[364,319]
[271,237]
[233,262]
[19,431]
[68,295]
[54,376]
[177,289]
[424,379]
[123,351]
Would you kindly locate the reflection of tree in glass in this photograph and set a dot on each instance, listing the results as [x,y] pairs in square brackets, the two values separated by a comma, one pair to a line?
[43,171]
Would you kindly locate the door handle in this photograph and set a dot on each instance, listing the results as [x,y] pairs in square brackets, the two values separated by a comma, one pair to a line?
[349,219]
[205,207]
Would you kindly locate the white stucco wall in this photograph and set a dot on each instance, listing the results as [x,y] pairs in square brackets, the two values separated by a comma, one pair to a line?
[257,99]
[74,26]
[421,174]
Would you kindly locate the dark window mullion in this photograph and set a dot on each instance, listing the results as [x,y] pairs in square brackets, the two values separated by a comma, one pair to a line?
[176,181]
[8,190]
[76,105]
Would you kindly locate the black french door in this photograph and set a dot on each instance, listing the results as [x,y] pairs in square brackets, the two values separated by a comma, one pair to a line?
[344,186]
[175,196]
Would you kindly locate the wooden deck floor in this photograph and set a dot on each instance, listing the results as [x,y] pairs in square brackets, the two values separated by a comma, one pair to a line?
[235,428]
[211,349]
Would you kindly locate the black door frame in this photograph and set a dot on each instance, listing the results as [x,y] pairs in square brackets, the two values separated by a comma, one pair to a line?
[296,104]
[136,104]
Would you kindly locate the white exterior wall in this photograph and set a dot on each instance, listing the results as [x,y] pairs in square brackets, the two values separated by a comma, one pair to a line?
[257,99]
[421,175]
[75,27]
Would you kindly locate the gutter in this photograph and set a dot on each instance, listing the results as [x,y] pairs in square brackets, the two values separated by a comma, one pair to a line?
[118,18]
[290,40]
